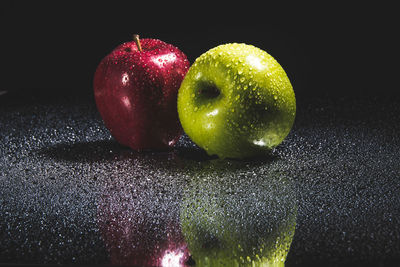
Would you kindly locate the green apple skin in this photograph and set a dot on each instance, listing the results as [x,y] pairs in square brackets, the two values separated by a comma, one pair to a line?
[236,101]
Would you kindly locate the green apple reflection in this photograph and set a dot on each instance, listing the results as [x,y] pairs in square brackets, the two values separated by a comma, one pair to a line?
[238,214]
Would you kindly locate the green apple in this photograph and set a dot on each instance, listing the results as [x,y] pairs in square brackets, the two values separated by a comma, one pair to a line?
[236,101]
[231,217]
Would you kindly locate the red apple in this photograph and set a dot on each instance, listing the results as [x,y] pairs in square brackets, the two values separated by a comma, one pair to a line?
[135,89]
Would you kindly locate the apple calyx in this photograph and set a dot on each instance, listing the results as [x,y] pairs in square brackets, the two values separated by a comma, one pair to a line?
[209,90]
[137,41]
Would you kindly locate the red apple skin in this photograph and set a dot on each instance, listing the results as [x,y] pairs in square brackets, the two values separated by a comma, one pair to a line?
[136,93]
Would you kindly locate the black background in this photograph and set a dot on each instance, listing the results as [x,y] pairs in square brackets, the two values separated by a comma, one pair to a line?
[340,49]
[52,48]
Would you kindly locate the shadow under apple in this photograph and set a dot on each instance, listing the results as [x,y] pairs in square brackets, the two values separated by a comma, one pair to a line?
[90,151]
[110,150]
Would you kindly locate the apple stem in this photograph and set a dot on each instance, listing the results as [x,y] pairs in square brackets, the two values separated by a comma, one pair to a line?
[137,41]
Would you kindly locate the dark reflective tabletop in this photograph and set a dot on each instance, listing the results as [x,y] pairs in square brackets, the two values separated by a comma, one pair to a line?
[328,195]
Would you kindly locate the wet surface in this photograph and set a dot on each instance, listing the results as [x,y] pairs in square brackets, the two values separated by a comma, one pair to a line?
[70,194]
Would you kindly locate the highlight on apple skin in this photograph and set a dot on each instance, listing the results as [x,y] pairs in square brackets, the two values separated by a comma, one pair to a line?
[236,101]
[135,89]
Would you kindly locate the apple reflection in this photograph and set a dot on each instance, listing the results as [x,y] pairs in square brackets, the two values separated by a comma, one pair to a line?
[238,214]
[175,209]
[138,215]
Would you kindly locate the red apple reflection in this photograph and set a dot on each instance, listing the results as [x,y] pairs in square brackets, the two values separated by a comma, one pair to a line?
[135,89]
[140,225]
